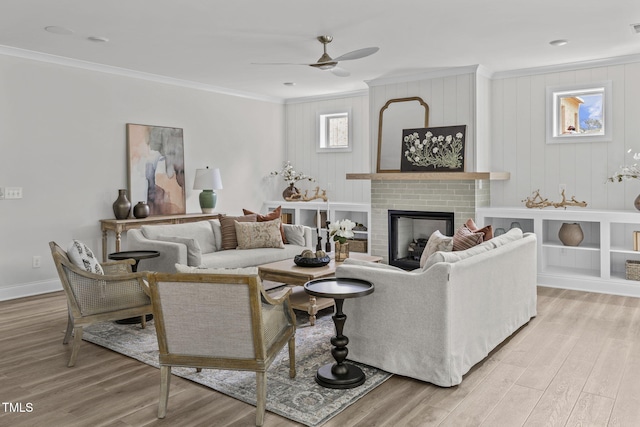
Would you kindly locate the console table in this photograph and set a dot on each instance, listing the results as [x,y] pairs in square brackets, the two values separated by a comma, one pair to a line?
[120,225]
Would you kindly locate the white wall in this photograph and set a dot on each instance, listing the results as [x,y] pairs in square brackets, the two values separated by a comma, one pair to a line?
[519,146]
[63,137]
[329,169]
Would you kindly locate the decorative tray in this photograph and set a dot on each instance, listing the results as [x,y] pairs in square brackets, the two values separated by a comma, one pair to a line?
[311,262]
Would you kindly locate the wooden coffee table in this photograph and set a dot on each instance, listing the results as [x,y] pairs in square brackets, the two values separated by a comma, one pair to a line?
[288,272]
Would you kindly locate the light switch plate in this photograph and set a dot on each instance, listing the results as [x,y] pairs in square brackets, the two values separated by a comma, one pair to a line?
[13,193]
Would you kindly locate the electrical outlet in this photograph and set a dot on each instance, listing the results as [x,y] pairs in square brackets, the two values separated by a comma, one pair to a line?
[13,193]
[561,188]
[36,261]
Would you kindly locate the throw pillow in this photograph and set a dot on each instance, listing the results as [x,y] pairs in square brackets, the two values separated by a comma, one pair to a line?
[251,271]
[82,257]
[228,228]
[194,254]
[274,214]
[252,235]
[487,229]
[295,234]
[437,242]
[465,238]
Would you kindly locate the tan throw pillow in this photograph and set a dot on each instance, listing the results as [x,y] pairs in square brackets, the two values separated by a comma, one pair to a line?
[437,242]
[252,235]
[194,254]
[465,238]
[487,229]
[274,214]
[228,228]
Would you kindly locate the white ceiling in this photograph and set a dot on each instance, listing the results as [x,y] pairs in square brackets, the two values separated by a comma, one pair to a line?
[215,42]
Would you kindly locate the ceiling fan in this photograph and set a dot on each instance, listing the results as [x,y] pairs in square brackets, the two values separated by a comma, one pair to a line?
[326,62]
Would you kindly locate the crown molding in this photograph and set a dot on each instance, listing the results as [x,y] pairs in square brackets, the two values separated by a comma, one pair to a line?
[571,66]
[327,97]
[108,69]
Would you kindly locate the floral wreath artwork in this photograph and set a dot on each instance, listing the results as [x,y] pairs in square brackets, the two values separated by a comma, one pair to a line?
[434,149]
[537,201]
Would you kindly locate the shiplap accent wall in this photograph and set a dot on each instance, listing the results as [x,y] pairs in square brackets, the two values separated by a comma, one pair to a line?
[329,168]
[519,145]
[451,100]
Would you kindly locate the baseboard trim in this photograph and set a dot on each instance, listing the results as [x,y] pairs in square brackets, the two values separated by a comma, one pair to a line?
[611,287]
[29,289]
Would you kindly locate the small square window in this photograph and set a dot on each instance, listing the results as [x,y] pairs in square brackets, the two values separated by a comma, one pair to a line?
[334,132]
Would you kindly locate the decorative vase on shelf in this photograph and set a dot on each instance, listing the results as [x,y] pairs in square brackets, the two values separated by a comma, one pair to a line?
[122,205]
[290,191]
[636,203]
[141,210]
[342,251]
[570,234]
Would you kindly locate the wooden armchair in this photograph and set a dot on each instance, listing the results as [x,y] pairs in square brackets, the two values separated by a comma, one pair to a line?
[219,322]
[92,298]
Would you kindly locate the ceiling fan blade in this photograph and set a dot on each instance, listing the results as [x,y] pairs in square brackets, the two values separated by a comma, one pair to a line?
[340,72]
[277,63]
[357,54]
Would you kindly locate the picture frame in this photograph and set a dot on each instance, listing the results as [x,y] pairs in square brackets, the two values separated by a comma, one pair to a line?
[433,149]
[579,113]
[155,164]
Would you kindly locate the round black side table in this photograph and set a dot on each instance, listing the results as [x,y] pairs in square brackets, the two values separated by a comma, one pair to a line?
[340,374]
[137,256]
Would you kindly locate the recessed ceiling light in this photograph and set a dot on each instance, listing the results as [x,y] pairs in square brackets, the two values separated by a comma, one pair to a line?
[289,83]
[98,39]
[58,30]
[560,42]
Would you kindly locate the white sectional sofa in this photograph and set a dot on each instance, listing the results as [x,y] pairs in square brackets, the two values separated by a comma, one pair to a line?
[435,323]
[175,242]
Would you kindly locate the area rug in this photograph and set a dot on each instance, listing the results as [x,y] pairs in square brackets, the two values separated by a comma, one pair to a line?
[299,399]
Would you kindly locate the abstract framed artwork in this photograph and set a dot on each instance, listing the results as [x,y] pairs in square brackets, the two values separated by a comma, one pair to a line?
[155,161]
[433,149]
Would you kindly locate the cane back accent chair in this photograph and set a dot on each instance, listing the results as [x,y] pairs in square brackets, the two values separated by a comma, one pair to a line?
[93,298]
[221,321]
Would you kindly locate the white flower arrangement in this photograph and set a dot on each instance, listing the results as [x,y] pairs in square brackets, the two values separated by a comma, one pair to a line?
[627,172]
[342,230]
[290,175]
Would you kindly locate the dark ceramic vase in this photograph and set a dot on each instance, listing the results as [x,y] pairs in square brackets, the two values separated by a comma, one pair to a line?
[141,210]
[290,191]
[122,205]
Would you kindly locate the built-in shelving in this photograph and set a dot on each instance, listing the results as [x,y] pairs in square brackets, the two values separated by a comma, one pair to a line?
[597,264]
[306,213]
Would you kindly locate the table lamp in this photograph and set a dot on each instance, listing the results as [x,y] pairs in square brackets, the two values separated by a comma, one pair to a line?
[207,180]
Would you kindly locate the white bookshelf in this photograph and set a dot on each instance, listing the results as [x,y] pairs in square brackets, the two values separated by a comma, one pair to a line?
[596,265]
[305,213]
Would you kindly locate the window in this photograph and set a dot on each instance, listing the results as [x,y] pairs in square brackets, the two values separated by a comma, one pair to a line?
[579,113]
[334,131]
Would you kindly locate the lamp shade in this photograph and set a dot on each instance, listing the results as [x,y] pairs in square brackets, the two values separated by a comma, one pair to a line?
[207,179]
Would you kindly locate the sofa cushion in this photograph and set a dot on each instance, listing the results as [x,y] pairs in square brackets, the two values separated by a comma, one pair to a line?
[228,227]
[217,232]
[252,235]
[82,257]
[510,236]
[294,234]
[200,230]
[181,268]
[250,257]
[274,214]
[455,256]
[465,238]
[194,254]
[437,242]
[487,229]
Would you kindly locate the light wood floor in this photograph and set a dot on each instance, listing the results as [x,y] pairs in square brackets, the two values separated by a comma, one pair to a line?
[577,363]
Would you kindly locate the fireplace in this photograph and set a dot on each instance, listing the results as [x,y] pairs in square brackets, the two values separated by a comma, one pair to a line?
[409,232]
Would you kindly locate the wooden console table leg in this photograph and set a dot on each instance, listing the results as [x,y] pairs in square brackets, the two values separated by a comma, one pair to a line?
[104,245]
[118,235]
